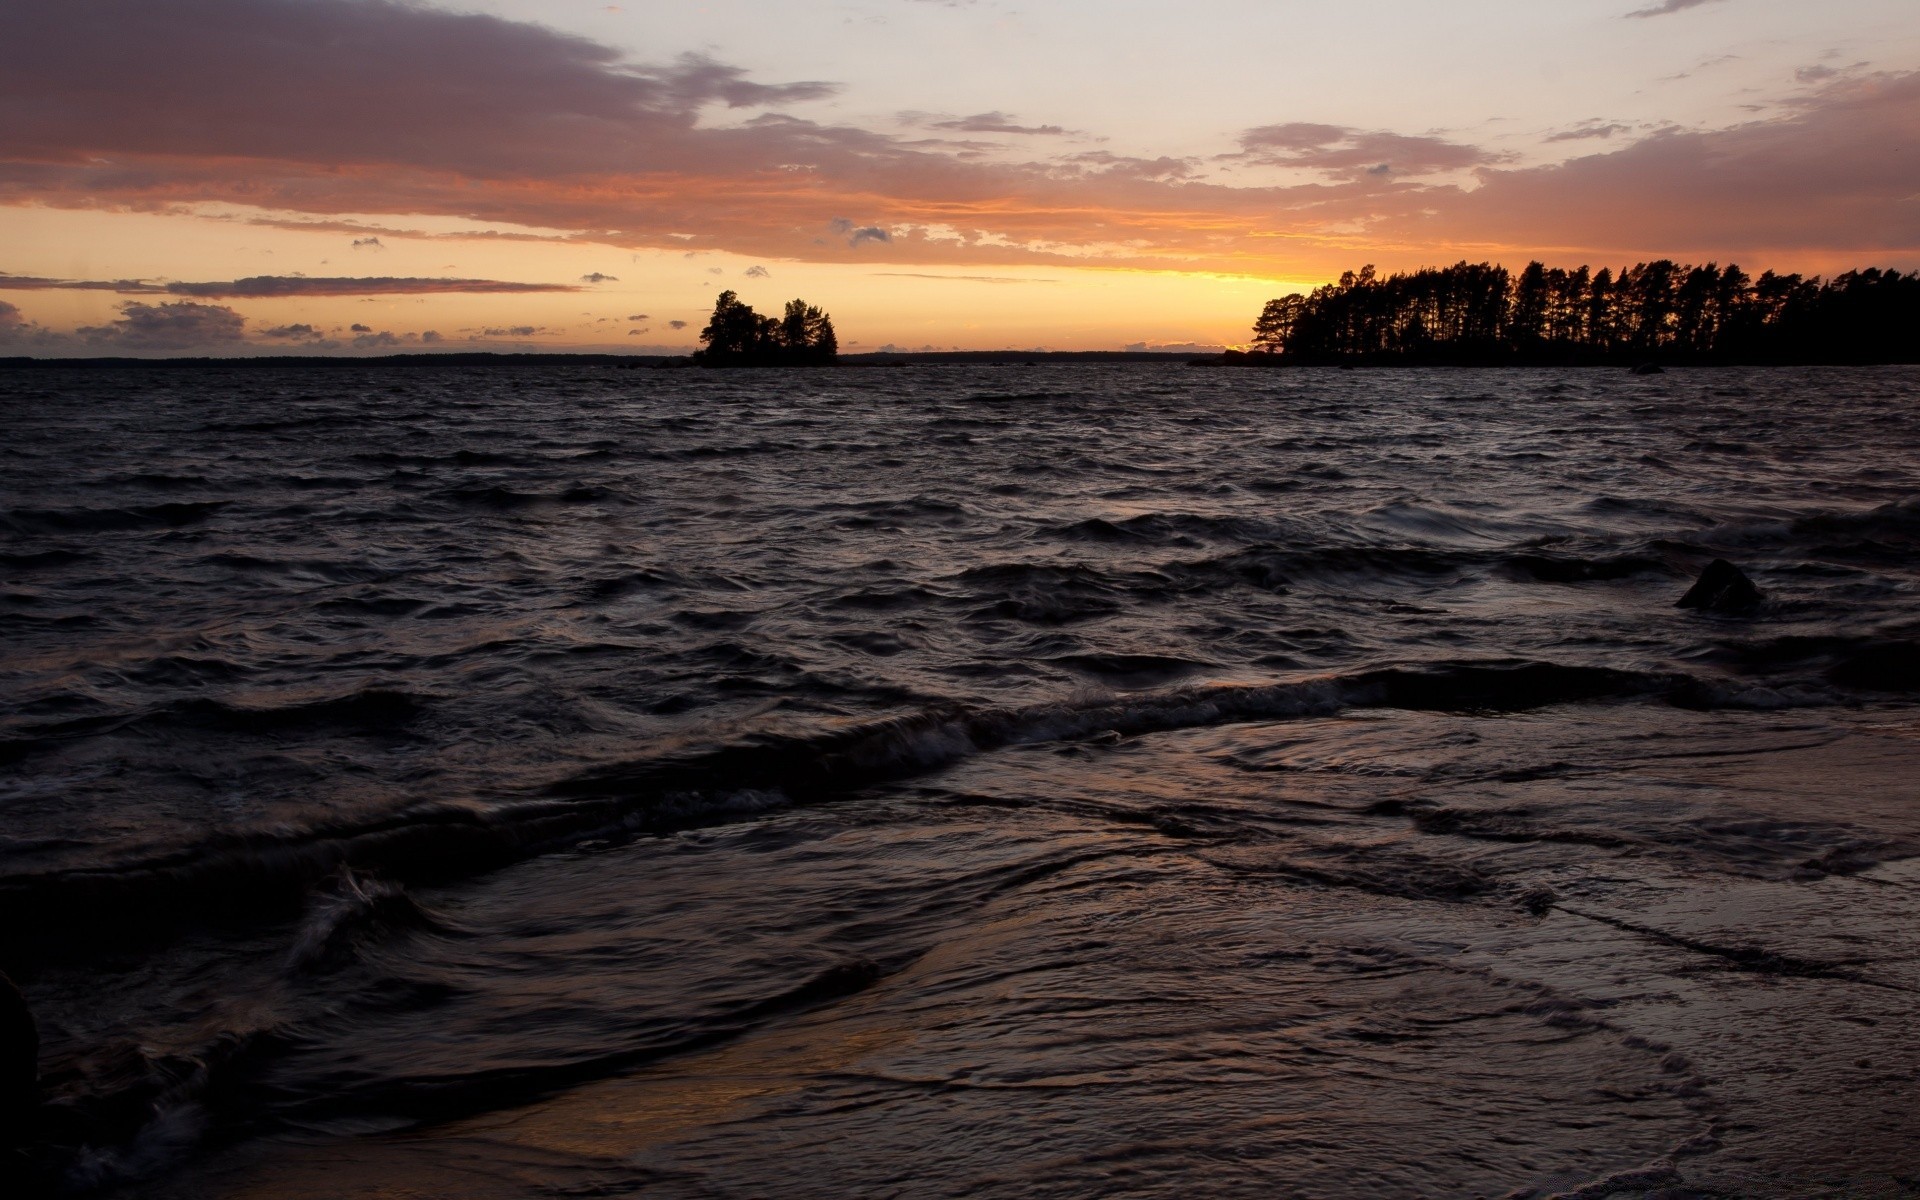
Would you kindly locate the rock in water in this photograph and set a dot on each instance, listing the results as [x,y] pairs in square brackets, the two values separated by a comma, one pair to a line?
[1649,369]
[19,1063]
[1722,587]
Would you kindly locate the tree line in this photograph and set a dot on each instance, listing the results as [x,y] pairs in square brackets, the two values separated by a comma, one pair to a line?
[1653,312]
[737,336]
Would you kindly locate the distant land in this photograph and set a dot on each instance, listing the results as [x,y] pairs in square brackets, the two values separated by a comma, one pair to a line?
[484,359]
[1481,314]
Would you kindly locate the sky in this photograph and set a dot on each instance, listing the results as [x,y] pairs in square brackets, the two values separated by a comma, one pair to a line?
[371,176]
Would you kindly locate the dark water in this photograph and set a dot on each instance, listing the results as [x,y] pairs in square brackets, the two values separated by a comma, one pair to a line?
[963,780]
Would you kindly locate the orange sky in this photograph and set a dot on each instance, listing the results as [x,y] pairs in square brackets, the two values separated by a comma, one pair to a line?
[342,176]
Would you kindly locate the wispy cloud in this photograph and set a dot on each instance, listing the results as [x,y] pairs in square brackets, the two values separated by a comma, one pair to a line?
[267,286]
[959,278]
[995,122]
[1357,153]
[1590,131]
[1669,6]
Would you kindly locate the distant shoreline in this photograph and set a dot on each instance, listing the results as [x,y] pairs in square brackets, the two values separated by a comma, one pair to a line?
[1231,358]
[561,359]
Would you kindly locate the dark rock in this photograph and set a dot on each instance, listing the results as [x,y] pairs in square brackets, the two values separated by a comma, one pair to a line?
[1723,588]
[1649,369]
[1537,900]
[19,1063]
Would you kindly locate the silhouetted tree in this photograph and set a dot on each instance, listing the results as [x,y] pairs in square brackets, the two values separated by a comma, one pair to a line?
[1477,312]
[736,335]
[807,331]
[1275,326]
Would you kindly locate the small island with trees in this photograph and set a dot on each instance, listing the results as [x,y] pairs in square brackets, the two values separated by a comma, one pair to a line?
[1481,314]
[737,336]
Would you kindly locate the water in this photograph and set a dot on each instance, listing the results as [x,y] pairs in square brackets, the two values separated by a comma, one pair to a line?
[1049,780]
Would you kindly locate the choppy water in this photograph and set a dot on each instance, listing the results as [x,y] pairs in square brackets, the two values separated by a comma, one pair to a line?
[1054,780]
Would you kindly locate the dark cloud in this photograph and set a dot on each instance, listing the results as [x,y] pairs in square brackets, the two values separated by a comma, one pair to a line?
[10,316]
[1668,6]
[994,122]
[383,340]
[367,243]
[181,325]
[1820,177]
[269,286]
[676,324]
[636,332]
[333,81]
[40,283]
[1354,153]
[859,234]
[431,336]
[757,272]
[597,277]
[511,331]
[356,327]
[1172,348]
[260,286]
[293,333]
[639,317]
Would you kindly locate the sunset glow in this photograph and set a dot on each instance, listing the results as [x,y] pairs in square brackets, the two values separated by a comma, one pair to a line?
[947,175]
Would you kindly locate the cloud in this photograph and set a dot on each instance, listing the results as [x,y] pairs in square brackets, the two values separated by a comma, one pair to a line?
[1820,176]
[180,325]
[431,336]
[857,235]
[757,272]
[994,122]
[636,332]
[1172,348]
[314,111]
[271,286]
[293,333]
[511,331]
[1589,130]
[367,243]
[1353,153]
[346,81]
[676,324]
[639,317]
[597,277]
[1103,163]
[11,317]
[1668,6]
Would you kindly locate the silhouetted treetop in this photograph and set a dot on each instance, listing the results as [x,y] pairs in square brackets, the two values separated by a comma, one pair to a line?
[1479,312]
[738,336]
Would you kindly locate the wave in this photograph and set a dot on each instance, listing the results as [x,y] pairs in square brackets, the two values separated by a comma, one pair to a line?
[351,907]
[1063,593]
[434,842]
[110,520]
